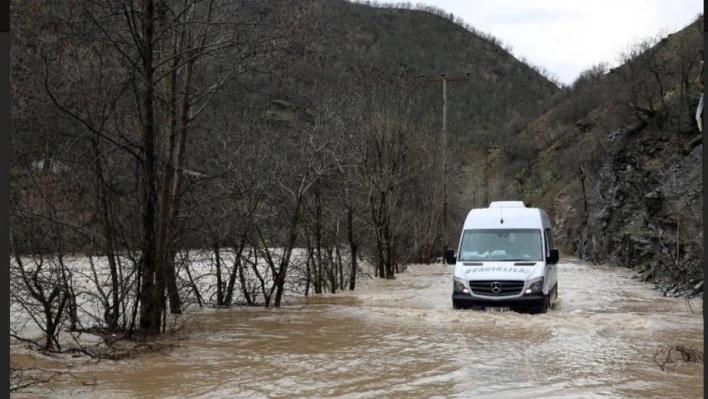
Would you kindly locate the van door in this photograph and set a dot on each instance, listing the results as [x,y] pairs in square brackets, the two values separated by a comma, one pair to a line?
[552,269]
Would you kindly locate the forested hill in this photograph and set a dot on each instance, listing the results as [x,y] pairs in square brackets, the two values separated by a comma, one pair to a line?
[427,41]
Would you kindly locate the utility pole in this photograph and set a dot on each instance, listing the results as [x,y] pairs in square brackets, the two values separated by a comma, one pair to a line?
[444,81]
[486,176]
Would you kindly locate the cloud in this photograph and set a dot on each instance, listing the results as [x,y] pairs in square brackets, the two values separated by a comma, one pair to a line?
[529,17]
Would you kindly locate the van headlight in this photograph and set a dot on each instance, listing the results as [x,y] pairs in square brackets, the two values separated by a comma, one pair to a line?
[459,285]
[535,286]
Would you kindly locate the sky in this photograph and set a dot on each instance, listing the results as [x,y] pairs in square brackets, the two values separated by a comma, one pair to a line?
[569,36]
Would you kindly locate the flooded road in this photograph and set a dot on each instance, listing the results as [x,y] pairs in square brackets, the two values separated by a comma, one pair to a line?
[402,339]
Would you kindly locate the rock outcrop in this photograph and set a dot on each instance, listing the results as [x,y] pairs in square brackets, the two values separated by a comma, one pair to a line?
[647,220]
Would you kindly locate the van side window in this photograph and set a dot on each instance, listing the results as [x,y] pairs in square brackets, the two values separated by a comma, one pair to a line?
[545,240]
[550,243]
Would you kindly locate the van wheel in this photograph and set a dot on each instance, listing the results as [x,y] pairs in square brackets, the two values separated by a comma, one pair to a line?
[544,305]
[457,304]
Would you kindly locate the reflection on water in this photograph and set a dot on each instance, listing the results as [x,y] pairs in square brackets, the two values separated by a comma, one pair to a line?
[403,339]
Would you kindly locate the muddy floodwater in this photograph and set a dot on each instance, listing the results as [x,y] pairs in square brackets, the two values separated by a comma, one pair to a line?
[402,339]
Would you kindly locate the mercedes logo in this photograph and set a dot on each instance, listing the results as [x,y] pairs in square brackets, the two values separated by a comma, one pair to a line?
[496,287]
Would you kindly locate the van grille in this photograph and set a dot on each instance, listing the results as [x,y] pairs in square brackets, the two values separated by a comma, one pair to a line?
[507,288]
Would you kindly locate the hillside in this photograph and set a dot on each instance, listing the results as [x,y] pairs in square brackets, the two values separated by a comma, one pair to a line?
[629,136]
[426,42]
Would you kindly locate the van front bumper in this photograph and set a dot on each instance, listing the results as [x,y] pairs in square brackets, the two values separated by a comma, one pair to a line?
[524,301]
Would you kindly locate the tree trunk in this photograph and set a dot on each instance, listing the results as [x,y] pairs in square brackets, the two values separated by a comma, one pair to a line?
[68,289]
[486,178]
[194,286]
[261,281]
[108,236]
[163,253]
[352,248]
[379,270]
[319,264]
[280,283]
[53,320]
[332,271]
[150,310]
[388,262]
[175,194]
[340,265]
[244,287]
[310,254]
[219,288]
[238,271]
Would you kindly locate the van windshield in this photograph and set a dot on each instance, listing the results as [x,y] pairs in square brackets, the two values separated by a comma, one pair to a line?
[501,245]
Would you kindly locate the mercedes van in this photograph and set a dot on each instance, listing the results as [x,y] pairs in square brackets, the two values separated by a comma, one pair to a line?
[506,258]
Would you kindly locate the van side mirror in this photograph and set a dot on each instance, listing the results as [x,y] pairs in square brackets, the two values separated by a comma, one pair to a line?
[450,257]
[552,258]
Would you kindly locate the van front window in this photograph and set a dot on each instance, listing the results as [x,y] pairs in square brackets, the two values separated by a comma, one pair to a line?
[501,245]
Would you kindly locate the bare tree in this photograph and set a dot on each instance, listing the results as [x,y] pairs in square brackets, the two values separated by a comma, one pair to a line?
[155,69]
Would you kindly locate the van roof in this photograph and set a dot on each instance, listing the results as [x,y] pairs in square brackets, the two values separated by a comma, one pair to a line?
[513,217]
[507,204]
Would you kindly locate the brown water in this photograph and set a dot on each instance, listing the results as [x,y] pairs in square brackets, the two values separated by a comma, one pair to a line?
[402,339]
